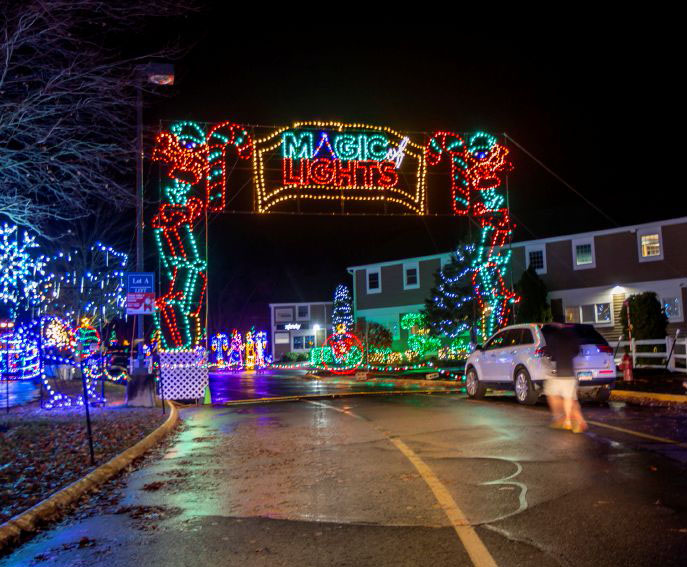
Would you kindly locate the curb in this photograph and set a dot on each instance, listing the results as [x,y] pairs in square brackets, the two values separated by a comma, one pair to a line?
[54,506]
[397,381]
[629,395]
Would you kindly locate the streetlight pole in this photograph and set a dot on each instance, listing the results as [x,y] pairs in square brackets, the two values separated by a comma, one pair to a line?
[158,74]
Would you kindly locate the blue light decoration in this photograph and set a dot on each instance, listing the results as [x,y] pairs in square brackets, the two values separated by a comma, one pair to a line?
[219,345]
[91,284]
[342,308]
[23,277]
[235,355]
[262,359]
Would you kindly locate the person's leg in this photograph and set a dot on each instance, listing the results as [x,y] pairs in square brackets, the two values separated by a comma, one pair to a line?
[579,424]
[554,400]
[568,403]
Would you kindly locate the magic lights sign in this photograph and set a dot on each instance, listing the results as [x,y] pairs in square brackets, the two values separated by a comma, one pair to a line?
[339,162]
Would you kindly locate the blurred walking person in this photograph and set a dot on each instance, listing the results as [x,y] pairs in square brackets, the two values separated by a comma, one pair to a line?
[561,386]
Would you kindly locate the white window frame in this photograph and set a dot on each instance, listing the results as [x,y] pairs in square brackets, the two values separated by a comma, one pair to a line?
[299,318]
[377,271]
[407,266]
[645,232]
[581,242]
[536,248]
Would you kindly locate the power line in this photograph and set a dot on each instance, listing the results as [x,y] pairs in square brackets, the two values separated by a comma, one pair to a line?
[563,181]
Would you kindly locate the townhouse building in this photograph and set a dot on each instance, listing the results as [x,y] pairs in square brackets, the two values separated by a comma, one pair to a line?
[588,275]
[297,327]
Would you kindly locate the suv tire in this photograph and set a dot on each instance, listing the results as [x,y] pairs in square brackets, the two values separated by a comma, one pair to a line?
[525,392]
[603,395]
[473,386]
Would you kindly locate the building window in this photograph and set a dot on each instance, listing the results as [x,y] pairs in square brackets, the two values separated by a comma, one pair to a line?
[374,281]
[283,314]
[536,257]
[593,313]
[303,312]
[671,307]
[281,339]
[583,253]
[587,312]
[603,312]
[572,314]
[650,244]
[411,276]
[303,342]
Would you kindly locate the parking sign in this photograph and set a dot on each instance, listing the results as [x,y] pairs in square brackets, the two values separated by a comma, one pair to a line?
[140,293]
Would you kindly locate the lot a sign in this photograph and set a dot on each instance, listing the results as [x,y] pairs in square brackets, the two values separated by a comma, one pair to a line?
[140,293]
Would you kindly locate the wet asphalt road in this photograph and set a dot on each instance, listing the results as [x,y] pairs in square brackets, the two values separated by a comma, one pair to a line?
[323,482]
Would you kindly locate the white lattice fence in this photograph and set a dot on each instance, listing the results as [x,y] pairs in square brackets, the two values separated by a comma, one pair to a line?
[184,374]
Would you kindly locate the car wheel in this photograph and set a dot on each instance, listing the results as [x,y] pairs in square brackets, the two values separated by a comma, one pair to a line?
[473,386]
[524,389]
[603,395]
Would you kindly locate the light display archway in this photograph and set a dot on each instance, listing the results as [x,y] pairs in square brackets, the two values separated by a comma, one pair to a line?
[321,161]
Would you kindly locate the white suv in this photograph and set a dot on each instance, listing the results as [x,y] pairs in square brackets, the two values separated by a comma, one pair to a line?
[517,358]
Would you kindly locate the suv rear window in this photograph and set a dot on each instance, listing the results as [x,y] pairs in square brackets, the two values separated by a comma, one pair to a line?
[587,334]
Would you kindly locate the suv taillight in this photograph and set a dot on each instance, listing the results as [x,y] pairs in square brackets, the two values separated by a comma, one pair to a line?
[605,349]
[542,351]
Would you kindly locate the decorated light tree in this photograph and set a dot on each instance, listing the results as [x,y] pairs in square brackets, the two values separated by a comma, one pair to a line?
[23,278]
[342,314]
[451,309]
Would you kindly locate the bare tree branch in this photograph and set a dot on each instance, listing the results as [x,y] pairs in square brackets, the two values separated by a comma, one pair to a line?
[67,105]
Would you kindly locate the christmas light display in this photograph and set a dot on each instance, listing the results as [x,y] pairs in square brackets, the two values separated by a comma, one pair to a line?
[58,333]
[260,349]
[23,278]
[476,167]
[193,157]
[19,356]
[88,283]
[249,351]
[342,162]
[220,347]
[342,312]
[346,353]
[235,355]
[420,343]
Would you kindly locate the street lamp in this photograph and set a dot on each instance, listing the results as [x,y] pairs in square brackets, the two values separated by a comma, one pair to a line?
[156,74]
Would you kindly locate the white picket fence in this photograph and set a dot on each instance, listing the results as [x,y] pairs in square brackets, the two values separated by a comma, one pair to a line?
[657,355]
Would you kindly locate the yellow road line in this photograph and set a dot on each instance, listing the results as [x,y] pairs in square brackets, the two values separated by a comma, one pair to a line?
[477,551]
[638,433]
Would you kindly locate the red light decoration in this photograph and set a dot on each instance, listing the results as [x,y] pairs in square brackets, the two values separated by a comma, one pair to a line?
[347,352]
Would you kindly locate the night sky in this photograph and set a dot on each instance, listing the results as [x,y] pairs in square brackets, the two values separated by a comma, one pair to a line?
[595,105]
